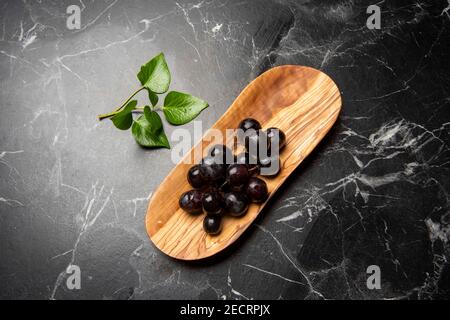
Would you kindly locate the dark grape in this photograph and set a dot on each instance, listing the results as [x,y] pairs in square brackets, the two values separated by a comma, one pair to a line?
[244,158]
[191,201]
[195,178]
[269,166]
[223,173]
[249,123]
[251,139]
[222,154]
[212,223]
[226,187]
[212,202]
[237,175]
[254,143]
[257,189]
[236,203]
[275,135]
[211,171]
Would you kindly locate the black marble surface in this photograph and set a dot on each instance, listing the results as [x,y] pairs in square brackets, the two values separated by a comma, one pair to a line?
[74,191]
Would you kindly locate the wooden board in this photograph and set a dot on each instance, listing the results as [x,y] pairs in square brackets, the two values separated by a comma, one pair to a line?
[301,101]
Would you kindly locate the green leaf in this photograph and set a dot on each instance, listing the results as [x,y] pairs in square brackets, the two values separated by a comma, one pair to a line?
[124,118]
[153,97]
[155,75]
[154,119]
[148,131]
[180,108]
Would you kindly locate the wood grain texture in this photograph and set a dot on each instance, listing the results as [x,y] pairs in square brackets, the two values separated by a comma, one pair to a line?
[301,101]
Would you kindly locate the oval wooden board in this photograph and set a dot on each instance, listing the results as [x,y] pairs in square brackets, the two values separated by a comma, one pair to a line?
[301,101]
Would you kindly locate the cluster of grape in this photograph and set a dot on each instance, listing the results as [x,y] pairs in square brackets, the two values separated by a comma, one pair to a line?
[222,186]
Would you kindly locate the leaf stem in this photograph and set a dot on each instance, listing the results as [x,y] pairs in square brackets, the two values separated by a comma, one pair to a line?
[129,98]
[107,115]
[138,110]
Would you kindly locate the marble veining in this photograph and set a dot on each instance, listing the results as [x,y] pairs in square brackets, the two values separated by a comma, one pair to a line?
[73,191]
